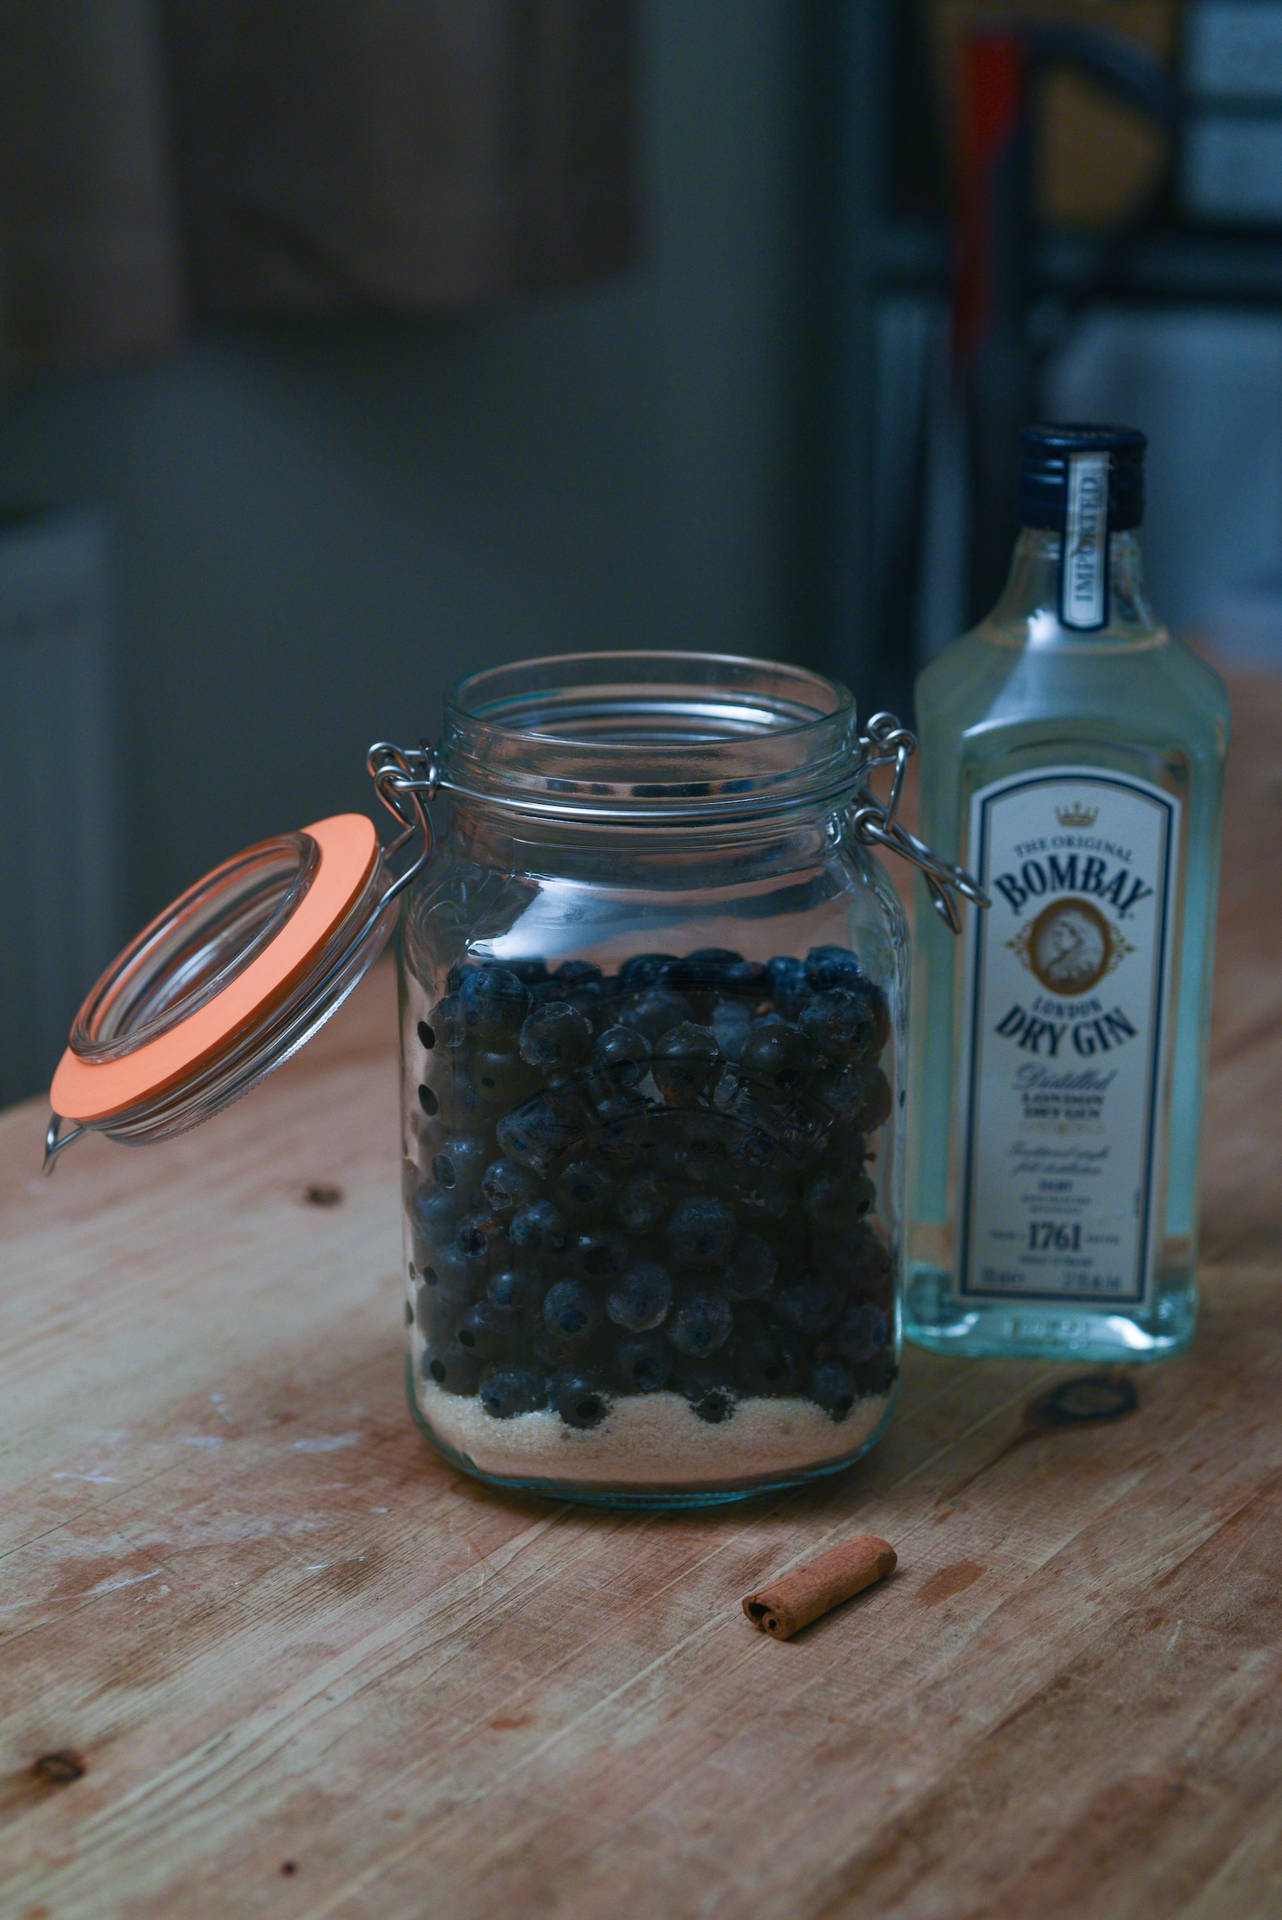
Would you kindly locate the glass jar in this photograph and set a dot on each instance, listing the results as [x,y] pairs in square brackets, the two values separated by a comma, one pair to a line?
[652,1004]
[652,996]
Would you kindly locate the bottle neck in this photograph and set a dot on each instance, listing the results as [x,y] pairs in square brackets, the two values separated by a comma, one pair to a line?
[1043,603]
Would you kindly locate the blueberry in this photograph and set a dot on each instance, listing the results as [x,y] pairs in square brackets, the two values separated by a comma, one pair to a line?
[437,1318]
[861,1332]
[845,1150]
[841,1022]
[452,1367]
[644,1363]
[433,1216]
[763,1190]
[769,1360]
[500,1076]
[458,973]
[642,1203]
[788,982]
[460,1165]
[532,972]
[538,1132]
[686,1062]
[700,1231]
[579,1401]
[599,1256]
[877,1376]
[463,1102]
[506,1185]
[570,1312]
[450,1274]
[708,1389]
[692,1145]
[831,967]
[579,977]
[641,1299]
[476,1234]
[512,1289]
[755,1148]
[778,1054]
[644,970]
[538,1228]
[863,1195]
[654,1012]
[621,1116]
[621,1055]
[878,1100]
[494,1004]
[712,969]
[556,1038]
[870,1263]
[812,1303]
[446,1021]
[731,1025]
[859,1096]
[836,1200]
[585,1190]
[701,1324]
[832,1388]
[509,1391]
[751,1273]
[728,972]
[485,1330]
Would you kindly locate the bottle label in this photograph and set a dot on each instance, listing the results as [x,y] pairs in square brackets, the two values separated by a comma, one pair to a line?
[1066,1006]
[1083,569]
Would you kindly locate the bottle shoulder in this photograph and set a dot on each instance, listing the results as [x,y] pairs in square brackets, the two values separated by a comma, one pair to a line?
[1154,688]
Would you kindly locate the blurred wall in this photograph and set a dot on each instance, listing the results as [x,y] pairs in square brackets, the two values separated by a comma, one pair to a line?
[314,528]
[1206,387]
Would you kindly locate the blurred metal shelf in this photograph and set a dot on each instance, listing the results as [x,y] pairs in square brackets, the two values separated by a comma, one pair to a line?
[1179,265]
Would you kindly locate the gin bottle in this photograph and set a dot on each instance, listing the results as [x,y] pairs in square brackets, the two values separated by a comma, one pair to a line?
[1073,750]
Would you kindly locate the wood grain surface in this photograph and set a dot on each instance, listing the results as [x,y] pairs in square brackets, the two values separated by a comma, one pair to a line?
[261,1652]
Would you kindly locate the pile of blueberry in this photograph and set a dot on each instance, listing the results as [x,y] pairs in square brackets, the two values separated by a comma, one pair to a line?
[658,1178]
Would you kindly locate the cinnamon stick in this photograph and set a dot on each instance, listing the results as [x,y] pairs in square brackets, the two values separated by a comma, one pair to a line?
[796,1598]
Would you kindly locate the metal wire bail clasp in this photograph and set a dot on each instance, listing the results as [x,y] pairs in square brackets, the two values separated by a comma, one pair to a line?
[406,780]
[885,743]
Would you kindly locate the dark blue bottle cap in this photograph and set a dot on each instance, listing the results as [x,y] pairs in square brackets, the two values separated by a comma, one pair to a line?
[1044,465]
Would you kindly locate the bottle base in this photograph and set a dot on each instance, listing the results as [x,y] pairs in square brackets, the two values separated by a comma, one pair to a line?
[940,1319]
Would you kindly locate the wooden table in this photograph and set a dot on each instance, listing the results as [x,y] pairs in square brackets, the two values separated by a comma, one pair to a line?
[264,1653]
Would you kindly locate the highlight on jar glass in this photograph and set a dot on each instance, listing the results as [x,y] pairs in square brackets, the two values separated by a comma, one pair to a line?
[652,988]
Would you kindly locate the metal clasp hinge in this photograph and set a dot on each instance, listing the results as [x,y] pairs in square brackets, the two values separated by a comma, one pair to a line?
[885,743]
[406,780]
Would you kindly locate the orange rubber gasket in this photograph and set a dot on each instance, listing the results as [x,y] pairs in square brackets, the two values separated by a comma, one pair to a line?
[88,1090]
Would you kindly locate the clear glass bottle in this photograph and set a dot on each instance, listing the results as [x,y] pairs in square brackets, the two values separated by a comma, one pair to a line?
[1073,751]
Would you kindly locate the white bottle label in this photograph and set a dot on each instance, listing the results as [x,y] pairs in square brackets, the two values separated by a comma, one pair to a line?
[1083,574]
[1066,1011]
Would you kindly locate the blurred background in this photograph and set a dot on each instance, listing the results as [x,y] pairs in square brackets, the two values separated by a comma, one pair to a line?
[345,350]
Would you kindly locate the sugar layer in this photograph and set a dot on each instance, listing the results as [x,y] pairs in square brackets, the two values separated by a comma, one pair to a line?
[651,1439]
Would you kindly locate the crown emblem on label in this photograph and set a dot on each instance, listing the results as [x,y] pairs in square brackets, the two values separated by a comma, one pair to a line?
[1076,816]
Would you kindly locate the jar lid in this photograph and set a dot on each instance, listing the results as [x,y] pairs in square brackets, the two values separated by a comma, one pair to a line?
[224,984]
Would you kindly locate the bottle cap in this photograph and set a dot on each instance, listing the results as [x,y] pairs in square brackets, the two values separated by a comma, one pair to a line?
[1046,453]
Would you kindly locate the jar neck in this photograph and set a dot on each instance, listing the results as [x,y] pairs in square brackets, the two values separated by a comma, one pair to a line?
[1037,594]
[648,743]
[495,838]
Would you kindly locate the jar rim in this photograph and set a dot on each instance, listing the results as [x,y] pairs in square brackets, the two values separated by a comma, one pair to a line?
[613,736]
